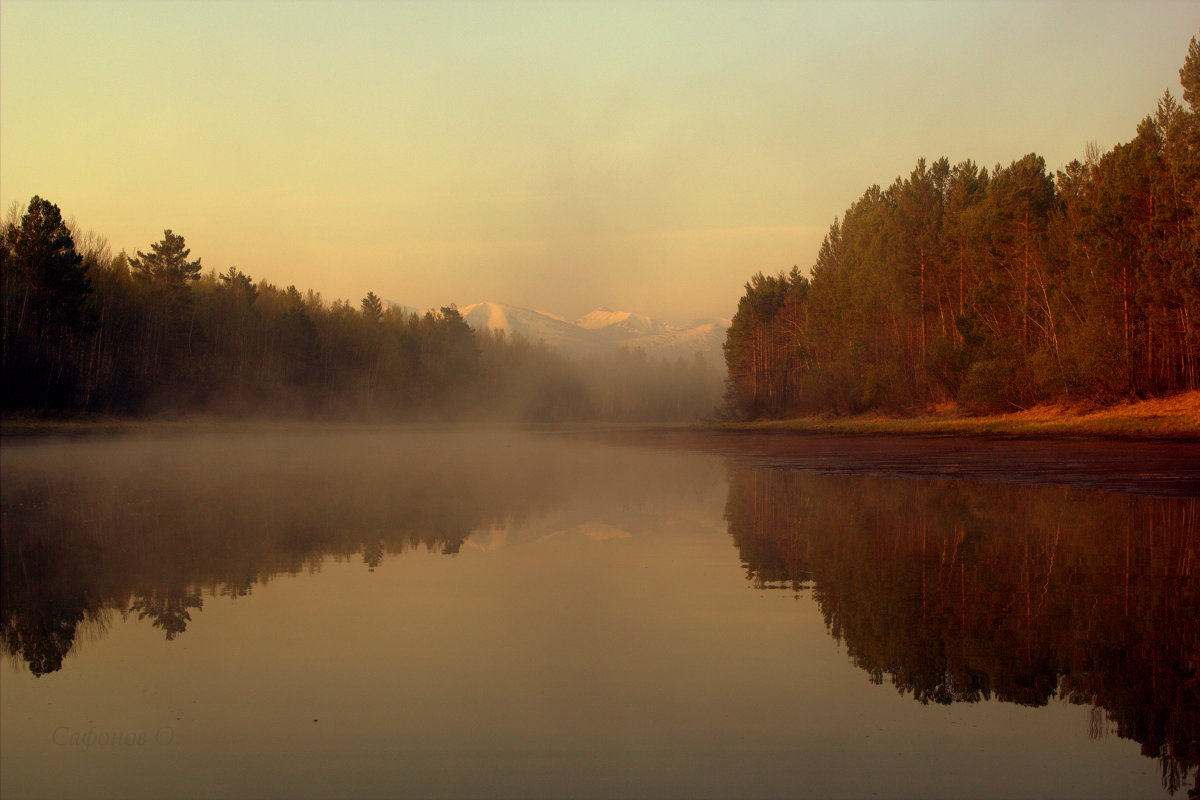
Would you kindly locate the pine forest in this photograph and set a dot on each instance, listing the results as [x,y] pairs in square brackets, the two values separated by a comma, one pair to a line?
[992,290]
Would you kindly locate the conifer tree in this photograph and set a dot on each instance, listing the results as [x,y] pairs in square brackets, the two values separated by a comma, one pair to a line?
[166,262]
[372,308]
[44,272]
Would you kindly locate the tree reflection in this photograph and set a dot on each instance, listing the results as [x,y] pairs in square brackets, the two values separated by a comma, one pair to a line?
[961,592]
[41,626]
[77,542]
[44,636]
[167,610]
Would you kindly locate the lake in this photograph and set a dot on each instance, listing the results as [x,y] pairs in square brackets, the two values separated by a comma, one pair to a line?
[426,612]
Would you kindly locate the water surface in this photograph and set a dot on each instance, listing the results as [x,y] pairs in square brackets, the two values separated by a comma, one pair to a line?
[423,613]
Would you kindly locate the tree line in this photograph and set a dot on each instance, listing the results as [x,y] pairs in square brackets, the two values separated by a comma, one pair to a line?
[153,334]
[993,289]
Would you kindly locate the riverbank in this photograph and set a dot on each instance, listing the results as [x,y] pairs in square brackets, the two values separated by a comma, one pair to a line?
[1175,418]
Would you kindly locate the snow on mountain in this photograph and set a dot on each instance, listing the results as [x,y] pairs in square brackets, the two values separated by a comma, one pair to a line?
[658,339]
[706,339]
[620,324]
[534,326]
[603,331]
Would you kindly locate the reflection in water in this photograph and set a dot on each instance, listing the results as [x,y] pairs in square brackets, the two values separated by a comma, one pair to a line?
[643,641]
[127,533]
[962,591]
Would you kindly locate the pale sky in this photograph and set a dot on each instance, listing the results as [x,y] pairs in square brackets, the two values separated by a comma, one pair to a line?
[561,155]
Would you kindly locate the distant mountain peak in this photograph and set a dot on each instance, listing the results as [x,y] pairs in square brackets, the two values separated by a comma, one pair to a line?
[621,324]
[536,326]
[600,331]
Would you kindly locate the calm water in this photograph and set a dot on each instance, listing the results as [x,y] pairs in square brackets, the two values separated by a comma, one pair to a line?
[383,613]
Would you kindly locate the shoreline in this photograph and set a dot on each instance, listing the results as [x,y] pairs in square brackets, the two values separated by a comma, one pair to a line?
[1175,418]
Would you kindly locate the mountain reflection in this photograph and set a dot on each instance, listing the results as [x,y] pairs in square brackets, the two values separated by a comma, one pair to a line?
[962,591]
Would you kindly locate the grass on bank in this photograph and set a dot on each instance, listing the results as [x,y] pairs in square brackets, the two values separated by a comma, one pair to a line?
[1174,417]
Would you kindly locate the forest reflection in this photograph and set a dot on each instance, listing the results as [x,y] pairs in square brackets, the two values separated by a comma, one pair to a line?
[958,591]
[147,528]
[953,591]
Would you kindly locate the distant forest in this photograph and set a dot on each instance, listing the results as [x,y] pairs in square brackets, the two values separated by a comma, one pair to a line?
[85,331]
[993,290]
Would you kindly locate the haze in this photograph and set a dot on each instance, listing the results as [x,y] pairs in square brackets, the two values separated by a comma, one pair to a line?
[647,157]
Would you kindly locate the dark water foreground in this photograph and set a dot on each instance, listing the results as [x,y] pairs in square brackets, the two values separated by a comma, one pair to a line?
[433,614]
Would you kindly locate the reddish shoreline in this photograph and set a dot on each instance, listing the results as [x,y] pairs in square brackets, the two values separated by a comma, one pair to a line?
[1175,418]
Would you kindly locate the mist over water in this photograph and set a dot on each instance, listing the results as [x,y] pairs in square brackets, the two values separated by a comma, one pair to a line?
[349,611]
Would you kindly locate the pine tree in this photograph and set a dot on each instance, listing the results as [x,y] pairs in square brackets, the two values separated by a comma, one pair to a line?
[46,288]
[46,272]
[372,308]
[166,262]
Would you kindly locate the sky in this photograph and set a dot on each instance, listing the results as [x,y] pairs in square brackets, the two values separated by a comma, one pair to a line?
[644,156]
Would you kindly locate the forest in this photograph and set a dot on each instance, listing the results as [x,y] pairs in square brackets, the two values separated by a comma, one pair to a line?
[153,334]
[992,290]
[989,290]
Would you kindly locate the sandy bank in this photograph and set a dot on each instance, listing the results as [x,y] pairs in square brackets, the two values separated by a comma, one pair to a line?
[1176,418]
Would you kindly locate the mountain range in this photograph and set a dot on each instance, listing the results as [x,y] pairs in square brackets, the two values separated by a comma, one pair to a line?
[603,331]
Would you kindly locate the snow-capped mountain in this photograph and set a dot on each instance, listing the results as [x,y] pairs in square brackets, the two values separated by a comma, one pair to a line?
[603,331]
[673,343]
[620,324]
[536,326]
